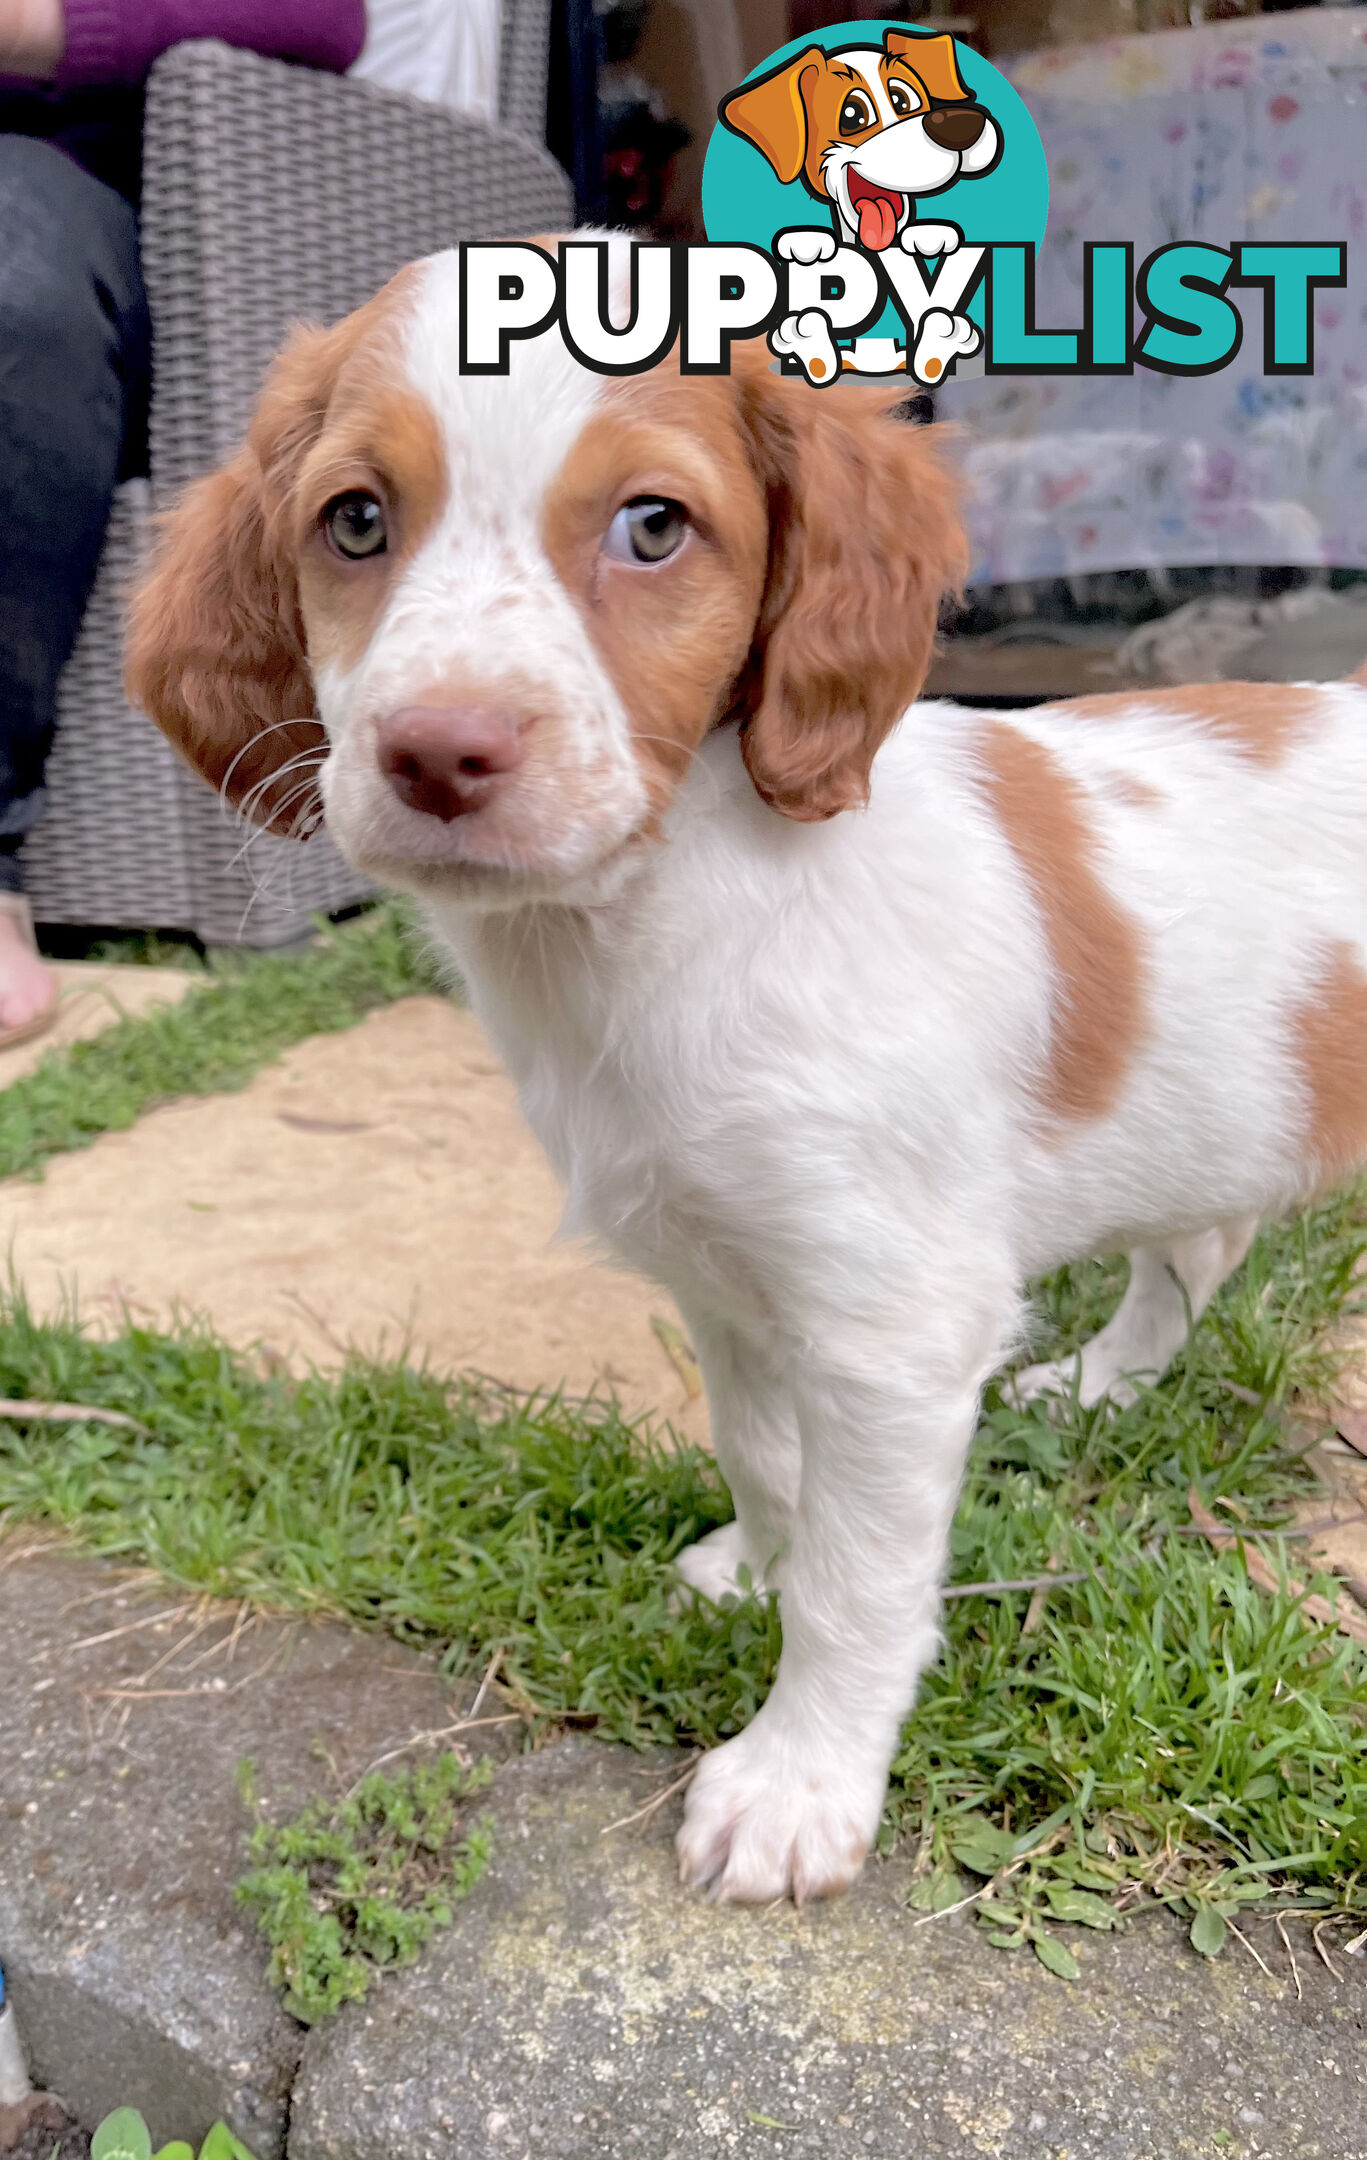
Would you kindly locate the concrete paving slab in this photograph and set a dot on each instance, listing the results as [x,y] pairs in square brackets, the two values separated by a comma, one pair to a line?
[586,2005]
[582,2004]
[124,1712]
[93,997]
[377,1188]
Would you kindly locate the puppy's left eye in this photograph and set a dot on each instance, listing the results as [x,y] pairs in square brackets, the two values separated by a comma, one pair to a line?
[646,531]
[899,97]
[354,524]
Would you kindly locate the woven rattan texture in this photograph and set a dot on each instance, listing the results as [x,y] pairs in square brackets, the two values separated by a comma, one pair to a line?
[113,847]
[271,194]
[297,207]
[522,67]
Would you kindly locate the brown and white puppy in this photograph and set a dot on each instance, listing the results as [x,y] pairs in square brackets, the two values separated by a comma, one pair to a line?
[603,670]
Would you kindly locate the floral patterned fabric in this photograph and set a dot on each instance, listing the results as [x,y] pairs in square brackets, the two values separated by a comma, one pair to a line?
[1235,131]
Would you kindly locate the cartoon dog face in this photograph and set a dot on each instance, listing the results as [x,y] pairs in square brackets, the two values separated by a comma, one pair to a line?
[868,131]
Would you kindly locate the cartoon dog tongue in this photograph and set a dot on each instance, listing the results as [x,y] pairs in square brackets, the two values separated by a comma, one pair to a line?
[876,211]
[877,222]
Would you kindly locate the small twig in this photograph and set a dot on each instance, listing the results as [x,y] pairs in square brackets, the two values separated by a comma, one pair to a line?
[1286,1945]
[642,1814]
[1356,1947]
[492,1667]
[1023,1582]
[319,1321]
[1239,1936]
[130,1627]
[19,1411]
[1034,1611]
[431,1737]
[1315,1939]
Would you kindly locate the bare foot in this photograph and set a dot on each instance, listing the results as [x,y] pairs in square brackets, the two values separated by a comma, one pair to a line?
[28,986]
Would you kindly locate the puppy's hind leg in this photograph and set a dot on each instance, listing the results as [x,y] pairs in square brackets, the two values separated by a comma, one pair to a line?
[755,1435]
[1170,1287]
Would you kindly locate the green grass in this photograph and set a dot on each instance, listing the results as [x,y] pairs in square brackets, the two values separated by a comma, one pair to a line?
[357,1885]
[1169,1732]
[246,1011]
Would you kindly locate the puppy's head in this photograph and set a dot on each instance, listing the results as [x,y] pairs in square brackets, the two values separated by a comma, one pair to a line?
[488,620]
[868,130]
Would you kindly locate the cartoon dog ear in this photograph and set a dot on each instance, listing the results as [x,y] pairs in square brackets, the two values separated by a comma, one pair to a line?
[772,113]
[932,61]
[865,539]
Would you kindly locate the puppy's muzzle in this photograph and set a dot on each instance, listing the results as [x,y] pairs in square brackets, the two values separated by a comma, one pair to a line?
[955,127]
[447,761]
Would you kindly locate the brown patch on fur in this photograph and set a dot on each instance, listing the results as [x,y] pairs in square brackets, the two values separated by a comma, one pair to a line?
[1330,1035]
[386,440]
[792,116]
[1098,1005]
[1137,793]
[1262,722]
[216,648]
[673,636]
[803,602]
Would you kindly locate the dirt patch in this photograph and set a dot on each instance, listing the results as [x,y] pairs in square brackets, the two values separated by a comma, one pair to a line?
[376,1188]
[41,2129]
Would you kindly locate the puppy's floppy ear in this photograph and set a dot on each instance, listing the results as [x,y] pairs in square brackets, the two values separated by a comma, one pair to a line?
[932,61]
[215,648]
[772,113]
[865,539]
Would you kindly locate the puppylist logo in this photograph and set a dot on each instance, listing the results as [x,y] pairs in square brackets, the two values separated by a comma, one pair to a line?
[873,199]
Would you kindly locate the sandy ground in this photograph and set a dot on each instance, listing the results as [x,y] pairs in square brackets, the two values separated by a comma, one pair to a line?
[376,1188]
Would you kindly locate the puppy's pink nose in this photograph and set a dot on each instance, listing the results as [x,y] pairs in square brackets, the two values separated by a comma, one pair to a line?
[447,760]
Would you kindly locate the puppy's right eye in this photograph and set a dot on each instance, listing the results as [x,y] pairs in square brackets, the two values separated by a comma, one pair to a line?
[648,530]
[355,525]
[855,114]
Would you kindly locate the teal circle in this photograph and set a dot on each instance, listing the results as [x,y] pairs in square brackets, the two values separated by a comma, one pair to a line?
[744,200]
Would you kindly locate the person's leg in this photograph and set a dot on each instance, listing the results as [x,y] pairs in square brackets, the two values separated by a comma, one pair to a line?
[74,347]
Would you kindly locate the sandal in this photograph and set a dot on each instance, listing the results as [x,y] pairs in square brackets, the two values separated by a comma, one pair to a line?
[15,907]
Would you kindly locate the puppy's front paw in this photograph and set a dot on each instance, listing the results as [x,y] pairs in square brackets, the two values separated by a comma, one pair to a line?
[712,1568]
[765,1820]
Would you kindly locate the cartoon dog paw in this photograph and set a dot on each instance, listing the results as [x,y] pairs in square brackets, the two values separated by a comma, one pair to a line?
[807,339]
[805,245]
[940,338]
[928,239]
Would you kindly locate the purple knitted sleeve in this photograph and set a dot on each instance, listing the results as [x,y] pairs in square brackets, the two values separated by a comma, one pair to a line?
[116,41]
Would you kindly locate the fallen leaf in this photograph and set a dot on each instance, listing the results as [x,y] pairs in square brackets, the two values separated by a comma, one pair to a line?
[1260,1571]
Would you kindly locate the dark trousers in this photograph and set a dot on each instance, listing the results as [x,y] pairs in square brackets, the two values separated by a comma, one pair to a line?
[74,368]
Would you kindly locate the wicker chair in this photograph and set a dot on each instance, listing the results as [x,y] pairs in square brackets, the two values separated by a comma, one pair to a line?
[271,194]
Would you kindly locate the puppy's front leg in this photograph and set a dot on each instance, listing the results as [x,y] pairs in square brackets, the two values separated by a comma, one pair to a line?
[792,1805]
